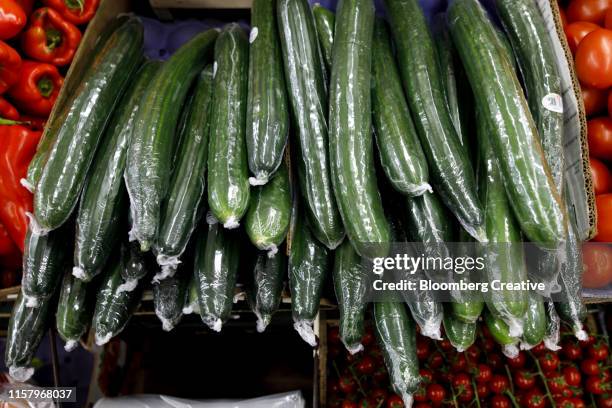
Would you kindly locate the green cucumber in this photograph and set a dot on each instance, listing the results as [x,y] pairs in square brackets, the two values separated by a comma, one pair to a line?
[467,306]
[114,307]
[461,334]
[77,138]
[449,164]
[350,284]
[169,298]
[308,265]
[151,150]
[351,152]
[268,275]
[26,329]
[191,302]
[307,90]
[269,214]
[399,148]
[74,310]
[513,134]
[501,334]
[427,220]
[181,208]
[267,120]
[325,21]
[215,269]
[78,72]
[43,264]
[396,334]
[228,179]
[535,322]
[103,201]
[134,267]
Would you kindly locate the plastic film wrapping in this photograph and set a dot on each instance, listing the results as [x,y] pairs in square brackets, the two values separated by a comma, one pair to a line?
[268,277]
[191,300]
[501,334]
[74,309]
[461,334]
[307,91]
[228,173]
[325,22]
[169,298]
[553,327]
[134,268]
[535,323]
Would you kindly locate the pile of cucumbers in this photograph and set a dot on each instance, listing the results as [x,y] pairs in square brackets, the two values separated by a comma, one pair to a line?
[292,152]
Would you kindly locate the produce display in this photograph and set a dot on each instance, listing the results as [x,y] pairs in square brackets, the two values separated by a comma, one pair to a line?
[295,151]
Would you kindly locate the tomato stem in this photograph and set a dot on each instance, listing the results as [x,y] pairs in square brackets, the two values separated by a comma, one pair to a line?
[512,399]
[541,374]
[476,396]
[352,370]
[509,378]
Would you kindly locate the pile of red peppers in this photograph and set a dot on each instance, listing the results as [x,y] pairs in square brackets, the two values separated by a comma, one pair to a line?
[38,41]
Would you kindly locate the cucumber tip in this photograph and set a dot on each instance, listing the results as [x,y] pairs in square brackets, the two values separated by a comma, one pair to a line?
[21,374]
[70,345]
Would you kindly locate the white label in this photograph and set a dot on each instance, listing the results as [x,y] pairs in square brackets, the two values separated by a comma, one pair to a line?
[253,35]
[215,69]
[553,102]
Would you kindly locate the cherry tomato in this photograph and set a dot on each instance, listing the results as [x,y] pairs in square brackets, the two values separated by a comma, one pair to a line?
[557,383]
[499,384]
[500,401]
[590,367]
[333,335]
[594,385]
[594,59]
[549,362]
[368,338]
[435,359]
[539,349]
[347,384]
[524,379]
[422,405]
[601,175]
[578,403]
[483,390]
[422,348]
[436,393]
[366,403]
[588,10]
[395,401]
[595,100]
[518,361]
[483,373]
[446,345]
[572,376]
[590,340]
[366,365]
[575,33]
[426,375]
[421,394]
[459,363]
[473,353]
[571,350]
[565,402]
[599,351]
[466,394]
[603,203]
[495,361]
[349,404]
[535,399]
[380,375]
[487,345]
[604,401]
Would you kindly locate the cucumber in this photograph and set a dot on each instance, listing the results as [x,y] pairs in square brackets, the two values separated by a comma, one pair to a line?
[151,150]
[513,134]
[181,208]
[215,269]
[169,298]
[399,148]
[396,334]
[466,306]
[268,275]
[103,201]
[269,214]
[78,72]
[350,284]
[350,134]
[228,179]
[501,334]
[308,265]
[535,323]
[191,302]
[114,307]
[325,21]
[267,120]
[553,328]
[505,260]
[461,334]
[43,264]
[26,329]
[134,267]
[449,165]
[74,309]
[307,91]
[77,138]
[427,220]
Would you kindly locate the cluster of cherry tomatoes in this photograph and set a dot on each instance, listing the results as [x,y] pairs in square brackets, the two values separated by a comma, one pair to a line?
[588,27]
[577,376]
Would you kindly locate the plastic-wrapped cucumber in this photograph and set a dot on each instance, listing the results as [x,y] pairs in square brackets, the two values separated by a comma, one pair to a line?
[228,178]
[134,268]
[191,301]
[553,327]
[25,331]
[449,166]
[114,307]
[153,145]
[535,323]
[396,334]
[215,268]
[513,134]
[461,335]
[307,90]
[268,277]
[325,21]
[104,197]
[43,264]
[501,334]
[267,219]
[308,264]
[267,123]
[350,284]
[400,151]
[467,307]
[70,158]
[169,298]
[74,309]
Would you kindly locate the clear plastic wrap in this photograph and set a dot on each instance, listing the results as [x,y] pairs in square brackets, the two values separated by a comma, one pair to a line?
[74,309]
[535,323]
[228,170]
[134,268]
[461,334]
[502,335]
[400,151]
[191,301]
[307,91]
[553,327]
[268,278]
[169,298]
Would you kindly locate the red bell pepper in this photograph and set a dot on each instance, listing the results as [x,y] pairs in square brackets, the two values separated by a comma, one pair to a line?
[10,65]
[8,111]
[10,256]
[76,11]
[37,88]
[17,146]
[12,19]
[50,38]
